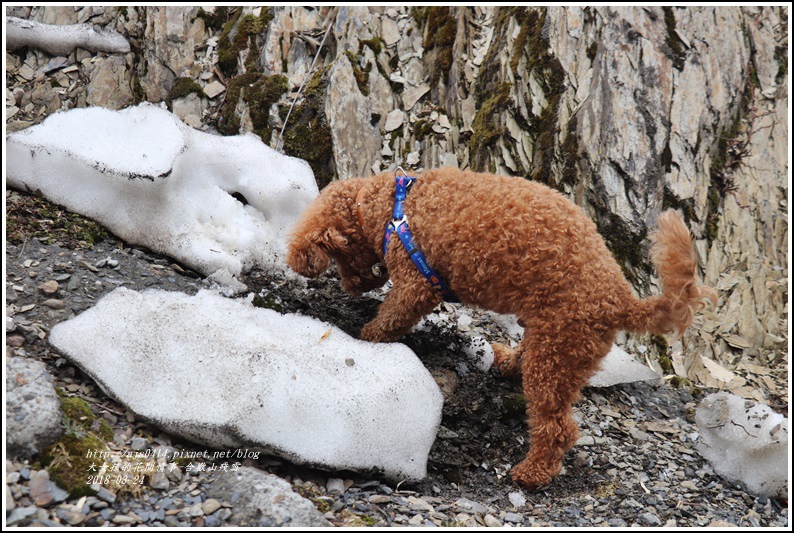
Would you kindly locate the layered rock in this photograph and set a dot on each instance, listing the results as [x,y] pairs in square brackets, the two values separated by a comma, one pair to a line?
[628,111]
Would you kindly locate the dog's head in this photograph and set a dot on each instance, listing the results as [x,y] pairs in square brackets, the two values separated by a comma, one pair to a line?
[329,231]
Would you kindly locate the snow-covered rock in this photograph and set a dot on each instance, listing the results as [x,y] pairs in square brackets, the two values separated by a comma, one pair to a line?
[744,441]
[62,40]
[620,367]
[214,203]
[228,375]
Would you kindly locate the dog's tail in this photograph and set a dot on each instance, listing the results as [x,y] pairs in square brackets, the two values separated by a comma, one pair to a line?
[673,255]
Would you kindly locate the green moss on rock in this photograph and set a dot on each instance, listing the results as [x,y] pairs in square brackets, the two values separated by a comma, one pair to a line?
[530,44]
[183,87]
[268,302]
[215,20]
[361,74]
[77,409]
[76,455]
[227,53]
[375,44]
[486,126]
[308,134]
[71,461]
[259,93]
[569,154]
[440,35]
[247,28]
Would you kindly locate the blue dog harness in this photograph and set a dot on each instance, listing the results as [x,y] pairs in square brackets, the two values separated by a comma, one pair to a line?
[399,224]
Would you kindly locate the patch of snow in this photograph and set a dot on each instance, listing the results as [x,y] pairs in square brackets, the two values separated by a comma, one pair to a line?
[61,40]
[480,351]
[225,374]
[620,367]
[213,203]
[744,441]
[508,324]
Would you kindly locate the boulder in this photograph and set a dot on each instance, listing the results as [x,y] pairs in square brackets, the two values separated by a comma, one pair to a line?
[33,410]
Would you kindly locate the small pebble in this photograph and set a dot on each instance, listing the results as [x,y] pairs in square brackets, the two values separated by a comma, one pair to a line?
[49,287]
[492,521]
[54,304]
[335,485]
[210,506]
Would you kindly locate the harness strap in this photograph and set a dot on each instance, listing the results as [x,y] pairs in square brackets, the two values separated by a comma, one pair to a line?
[399,224]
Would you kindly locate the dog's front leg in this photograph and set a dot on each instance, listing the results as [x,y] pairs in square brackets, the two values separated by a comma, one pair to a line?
[410,299]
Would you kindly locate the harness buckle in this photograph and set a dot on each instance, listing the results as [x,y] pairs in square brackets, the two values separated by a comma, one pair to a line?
[397,223]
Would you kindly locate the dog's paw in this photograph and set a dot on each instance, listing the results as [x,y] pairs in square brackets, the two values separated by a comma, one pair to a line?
[506,361]
[532,476]
[372,333]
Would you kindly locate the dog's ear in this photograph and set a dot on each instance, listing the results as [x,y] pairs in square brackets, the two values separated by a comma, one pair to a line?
[310,254]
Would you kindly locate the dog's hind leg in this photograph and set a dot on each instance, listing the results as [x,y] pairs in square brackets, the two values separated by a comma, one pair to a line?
[557,359]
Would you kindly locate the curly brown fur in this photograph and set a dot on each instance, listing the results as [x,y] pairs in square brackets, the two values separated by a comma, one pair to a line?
[511,246]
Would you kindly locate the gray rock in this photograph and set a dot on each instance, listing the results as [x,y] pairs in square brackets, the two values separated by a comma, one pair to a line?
[264,500]
[167,25]
[139,444]
[391,33]
[54,303]
[394,120]
[650,519]
[335,485]
[357,143]
[105,495]
[33,410]
[187,105]
[514,518]
[44,492]
[214,89]
[470,506]
[110,83]
[159,480]
[19,514]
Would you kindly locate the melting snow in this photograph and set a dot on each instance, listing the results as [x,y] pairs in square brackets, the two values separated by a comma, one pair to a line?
[218,204]
[226,374]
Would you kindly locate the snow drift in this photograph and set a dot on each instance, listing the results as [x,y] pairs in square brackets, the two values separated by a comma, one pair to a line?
[217,204]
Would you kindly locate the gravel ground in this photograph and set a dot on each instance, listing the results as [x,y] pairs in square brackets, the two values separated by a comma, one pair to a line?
[635,464]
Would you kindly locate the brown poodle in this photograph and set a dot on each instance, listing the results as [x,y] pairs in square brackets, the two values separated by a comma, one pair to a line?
[512,246]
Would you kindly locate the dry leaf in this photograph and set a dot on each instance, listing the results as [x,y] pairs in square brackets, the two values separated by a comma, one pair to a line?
[325,336]
[736,341]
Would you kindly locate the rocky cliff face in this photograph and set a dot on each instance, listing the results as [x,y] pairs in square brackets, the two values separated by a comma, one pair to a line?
[627,111]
